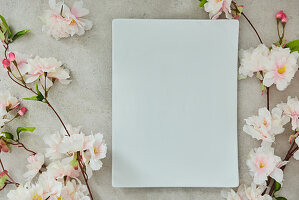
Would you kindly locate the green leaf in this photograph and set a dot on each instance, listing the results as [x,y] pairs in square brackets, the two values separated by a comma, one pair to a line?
[40,96]
[19,34]
[34,98]
[263,87]
[3,28]
[74,162]
[6,26]
[202,3]
[277,186]
[8,135]
[21,129]
[3,178]
[2,36]
[281,198]
[293,45]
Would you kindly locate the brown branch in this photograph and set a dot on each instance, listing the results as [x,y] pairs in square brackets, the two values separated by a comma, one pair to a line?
[289,154]
[19,144]
[236,6]
[84,174]
[268,98]
[5,171]
[58,117]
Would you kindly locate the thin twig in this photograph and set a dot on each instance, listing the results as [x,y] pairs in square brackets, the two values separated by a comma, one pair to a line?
[268,98]
[5,171]
[19,144]
[260,39]
[84,176]
[58,117]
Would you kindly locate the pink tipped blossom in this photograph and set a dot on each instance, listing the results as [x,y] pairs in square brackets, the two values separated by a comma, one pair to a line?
[284,18]
[5,63]
[279,15]
[12,56]
[22,111]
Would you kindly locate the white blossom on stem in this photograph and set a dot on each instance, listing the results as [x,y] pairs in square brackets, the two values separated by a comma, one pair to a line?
[263,163]
[35,164]
[291,109]
[60,21]
[266,125]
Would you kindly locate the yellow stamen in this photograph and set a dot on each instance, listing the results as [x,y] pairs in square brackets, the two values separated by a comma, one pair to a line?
[217,1]
[73,22]
[262,165]
[37,197]
[96,151]
[281,70]
[265,122]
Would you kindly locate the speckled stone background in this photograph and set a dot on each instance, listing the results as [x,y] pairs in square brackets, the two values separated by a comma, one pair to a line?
[87,100]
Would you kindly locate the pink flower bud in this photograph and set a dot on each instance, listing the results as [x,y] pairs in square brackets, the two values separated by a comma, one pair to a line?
[284,18]
[6,63]
[12,56]
[22,111]
[279,15]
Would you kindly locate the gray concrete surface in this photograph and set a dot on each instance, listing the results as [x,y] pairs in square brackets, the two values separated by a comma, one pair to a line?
[87,100]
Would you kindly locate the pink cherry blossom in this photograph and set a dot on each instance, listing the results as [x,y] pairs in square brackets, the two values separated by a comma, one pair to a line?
[263,163]
[12,56]
[284,18]
[22,111]
[5,63]
[279,14]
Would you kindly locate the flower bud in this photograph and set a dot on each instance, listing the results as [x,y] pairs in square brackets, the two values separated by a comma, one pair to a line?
[22,111]
[5,63]
[12,56]
[279,15]
[284,18]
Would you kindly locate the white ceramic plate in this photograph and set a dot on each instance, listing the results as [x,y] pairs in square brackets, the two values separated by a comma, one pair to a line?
[174,103]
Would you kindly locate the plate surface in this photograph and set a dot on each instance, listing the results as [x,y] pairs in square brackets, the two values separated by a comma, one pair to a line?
[174,103]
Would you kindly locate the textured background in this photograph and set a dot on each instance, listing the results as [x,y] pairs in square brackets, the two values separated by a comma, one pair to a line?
[87,100]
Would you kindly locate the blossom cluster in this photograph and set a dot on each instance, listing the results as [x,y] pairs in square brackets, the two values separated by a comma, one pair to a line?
[60,21]
[59,178]
[8,104]
[247,193]
[216,7]
[28,69]
[262,161]
[277,65]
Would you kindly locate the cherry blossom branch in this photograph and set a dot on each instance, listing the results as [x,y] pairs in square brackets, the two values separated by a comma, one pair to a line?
[259,37]
[84,174]
[287,158]
[58,116]
[289,154]
[248,20]
[261,41]
[5,171]
[19,144]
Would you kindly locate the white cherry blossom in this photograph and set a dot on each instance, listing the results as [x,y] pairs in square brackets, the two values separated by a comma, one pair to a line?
[216,7]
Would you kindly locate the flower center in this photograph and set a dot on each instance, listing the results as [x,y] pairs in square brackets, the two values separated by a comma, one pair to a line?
[217,1]
[262,165]
[96,151]
[73,22]
[37,197]
[281,70]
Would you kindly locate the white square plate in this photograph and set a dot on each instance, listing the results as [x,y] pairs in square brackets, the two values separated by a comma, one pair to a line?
[174,103]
